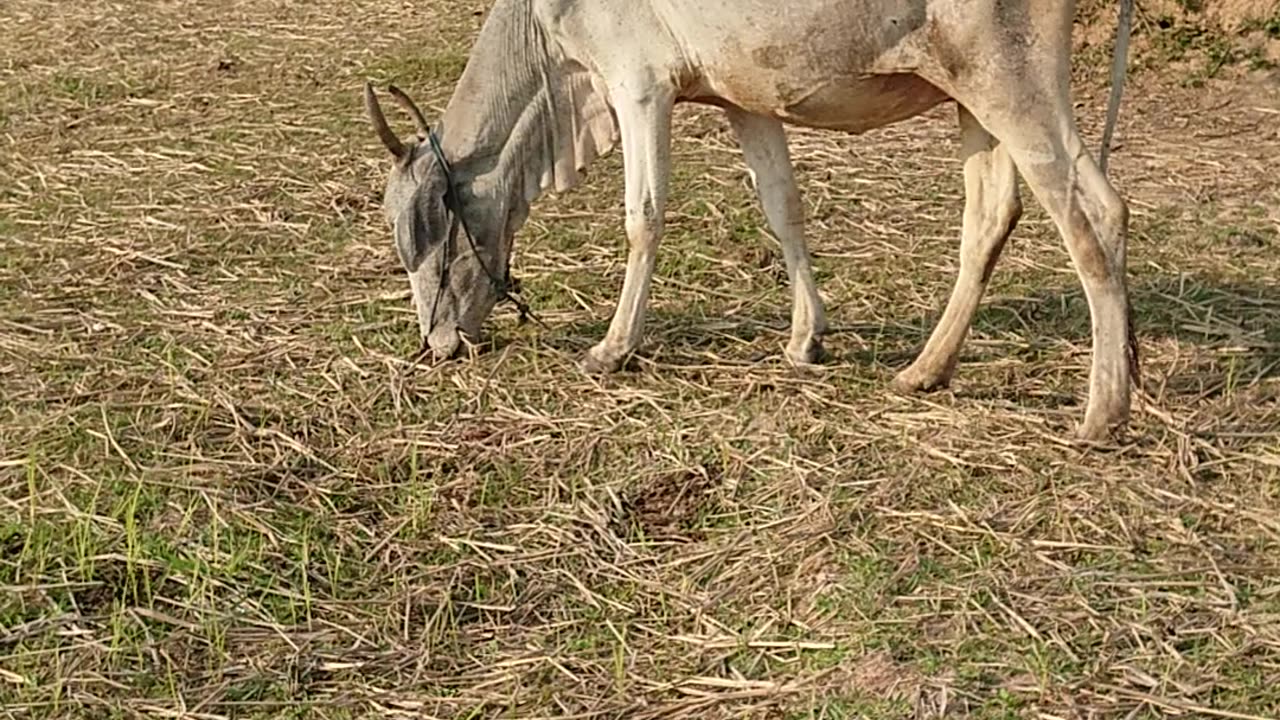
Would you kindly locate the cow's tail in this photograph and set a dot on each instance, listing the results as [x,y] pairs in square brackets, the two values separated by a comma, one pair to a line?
[1118,62]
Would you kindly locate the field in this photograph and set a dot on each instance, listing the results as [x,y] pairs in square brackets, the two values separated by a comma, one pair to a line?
[225,491]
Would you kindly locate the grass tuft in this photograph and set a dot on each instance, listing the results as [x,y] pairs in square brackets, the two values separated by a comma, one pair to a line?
[225,493]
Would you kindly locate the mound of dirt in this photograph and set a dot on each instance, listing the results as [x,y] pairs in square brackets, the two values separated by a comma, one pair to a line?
[1231,15]
[1227,31]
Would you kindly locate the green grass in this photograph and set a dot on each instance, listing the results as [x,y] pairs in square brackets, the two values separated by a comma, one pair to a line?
[411,67]
[224,489]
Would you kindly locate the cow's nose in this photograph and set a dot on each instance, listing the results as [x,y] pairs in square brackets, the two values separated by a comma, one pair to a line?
[443,343]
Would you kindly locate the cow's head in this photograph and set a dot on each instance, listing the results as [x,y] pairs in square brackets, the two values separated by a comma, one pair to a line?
[456,281]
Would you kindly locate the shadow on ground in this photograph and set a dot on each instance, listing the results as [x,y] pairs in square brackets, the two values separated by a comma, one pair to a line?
[1234,323]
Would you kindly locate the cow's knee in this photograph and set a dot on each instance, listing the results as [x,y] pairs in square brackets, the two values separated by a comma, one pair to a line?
[643,223]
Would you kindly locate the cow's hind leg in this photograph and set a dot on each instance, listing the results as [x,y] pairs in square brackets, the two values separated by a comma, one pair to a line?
[644,120]
[764,147]
[991,210]
[1093,220]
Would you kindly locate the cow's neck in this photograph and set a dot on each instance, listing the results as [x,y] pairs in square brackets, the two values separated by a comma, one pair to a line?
[521,119]
[496,129]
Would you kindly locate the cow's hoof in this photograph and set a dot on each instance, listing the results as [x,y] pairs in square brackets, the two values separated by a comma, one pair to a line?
[809,352]
[1100,432]
[913,380]
[1105,418]
[595,362]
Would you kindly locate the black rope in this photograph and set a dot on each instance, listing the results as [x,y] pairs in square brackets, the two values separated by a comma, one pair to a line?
[454,204]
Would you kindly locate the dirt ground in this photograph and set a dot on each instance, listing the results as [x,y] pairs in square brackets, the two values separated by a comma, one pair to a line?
[226,493]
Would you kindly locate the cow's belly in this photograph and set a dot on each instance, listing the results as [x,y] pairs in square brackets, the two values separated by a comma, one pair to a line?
[852,104]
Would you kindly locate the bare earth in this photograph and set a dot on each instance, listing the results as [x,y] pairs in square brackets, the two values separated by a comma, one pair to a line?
[225,493]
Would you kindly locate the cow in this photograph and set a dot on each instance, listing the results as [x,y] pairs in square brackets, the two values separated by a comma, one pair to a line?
[551,85]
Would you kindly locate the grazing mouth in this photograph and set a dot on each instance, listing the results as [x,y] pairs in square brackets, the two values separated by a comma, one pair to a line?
[440,345]
[424,352]
[458,345]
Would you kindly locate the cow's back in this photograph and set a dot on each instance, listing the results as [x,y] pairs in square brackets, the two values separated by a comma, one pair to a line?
[843,64]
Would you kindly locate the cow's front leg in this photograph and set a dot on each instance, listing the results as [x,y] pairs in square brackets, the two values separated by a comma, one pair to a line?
[644,121]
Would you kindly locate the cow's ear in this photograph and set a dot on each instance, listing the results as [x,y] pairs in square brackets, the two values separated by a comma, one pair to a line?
[422,225]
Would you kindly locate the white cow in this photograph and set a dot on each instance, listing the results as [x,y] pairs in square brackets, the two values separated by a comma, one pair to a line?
[552,84]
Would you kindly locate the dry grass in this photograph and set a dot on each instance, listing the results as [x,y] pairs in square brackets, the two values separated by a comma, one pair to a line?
[225,492]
